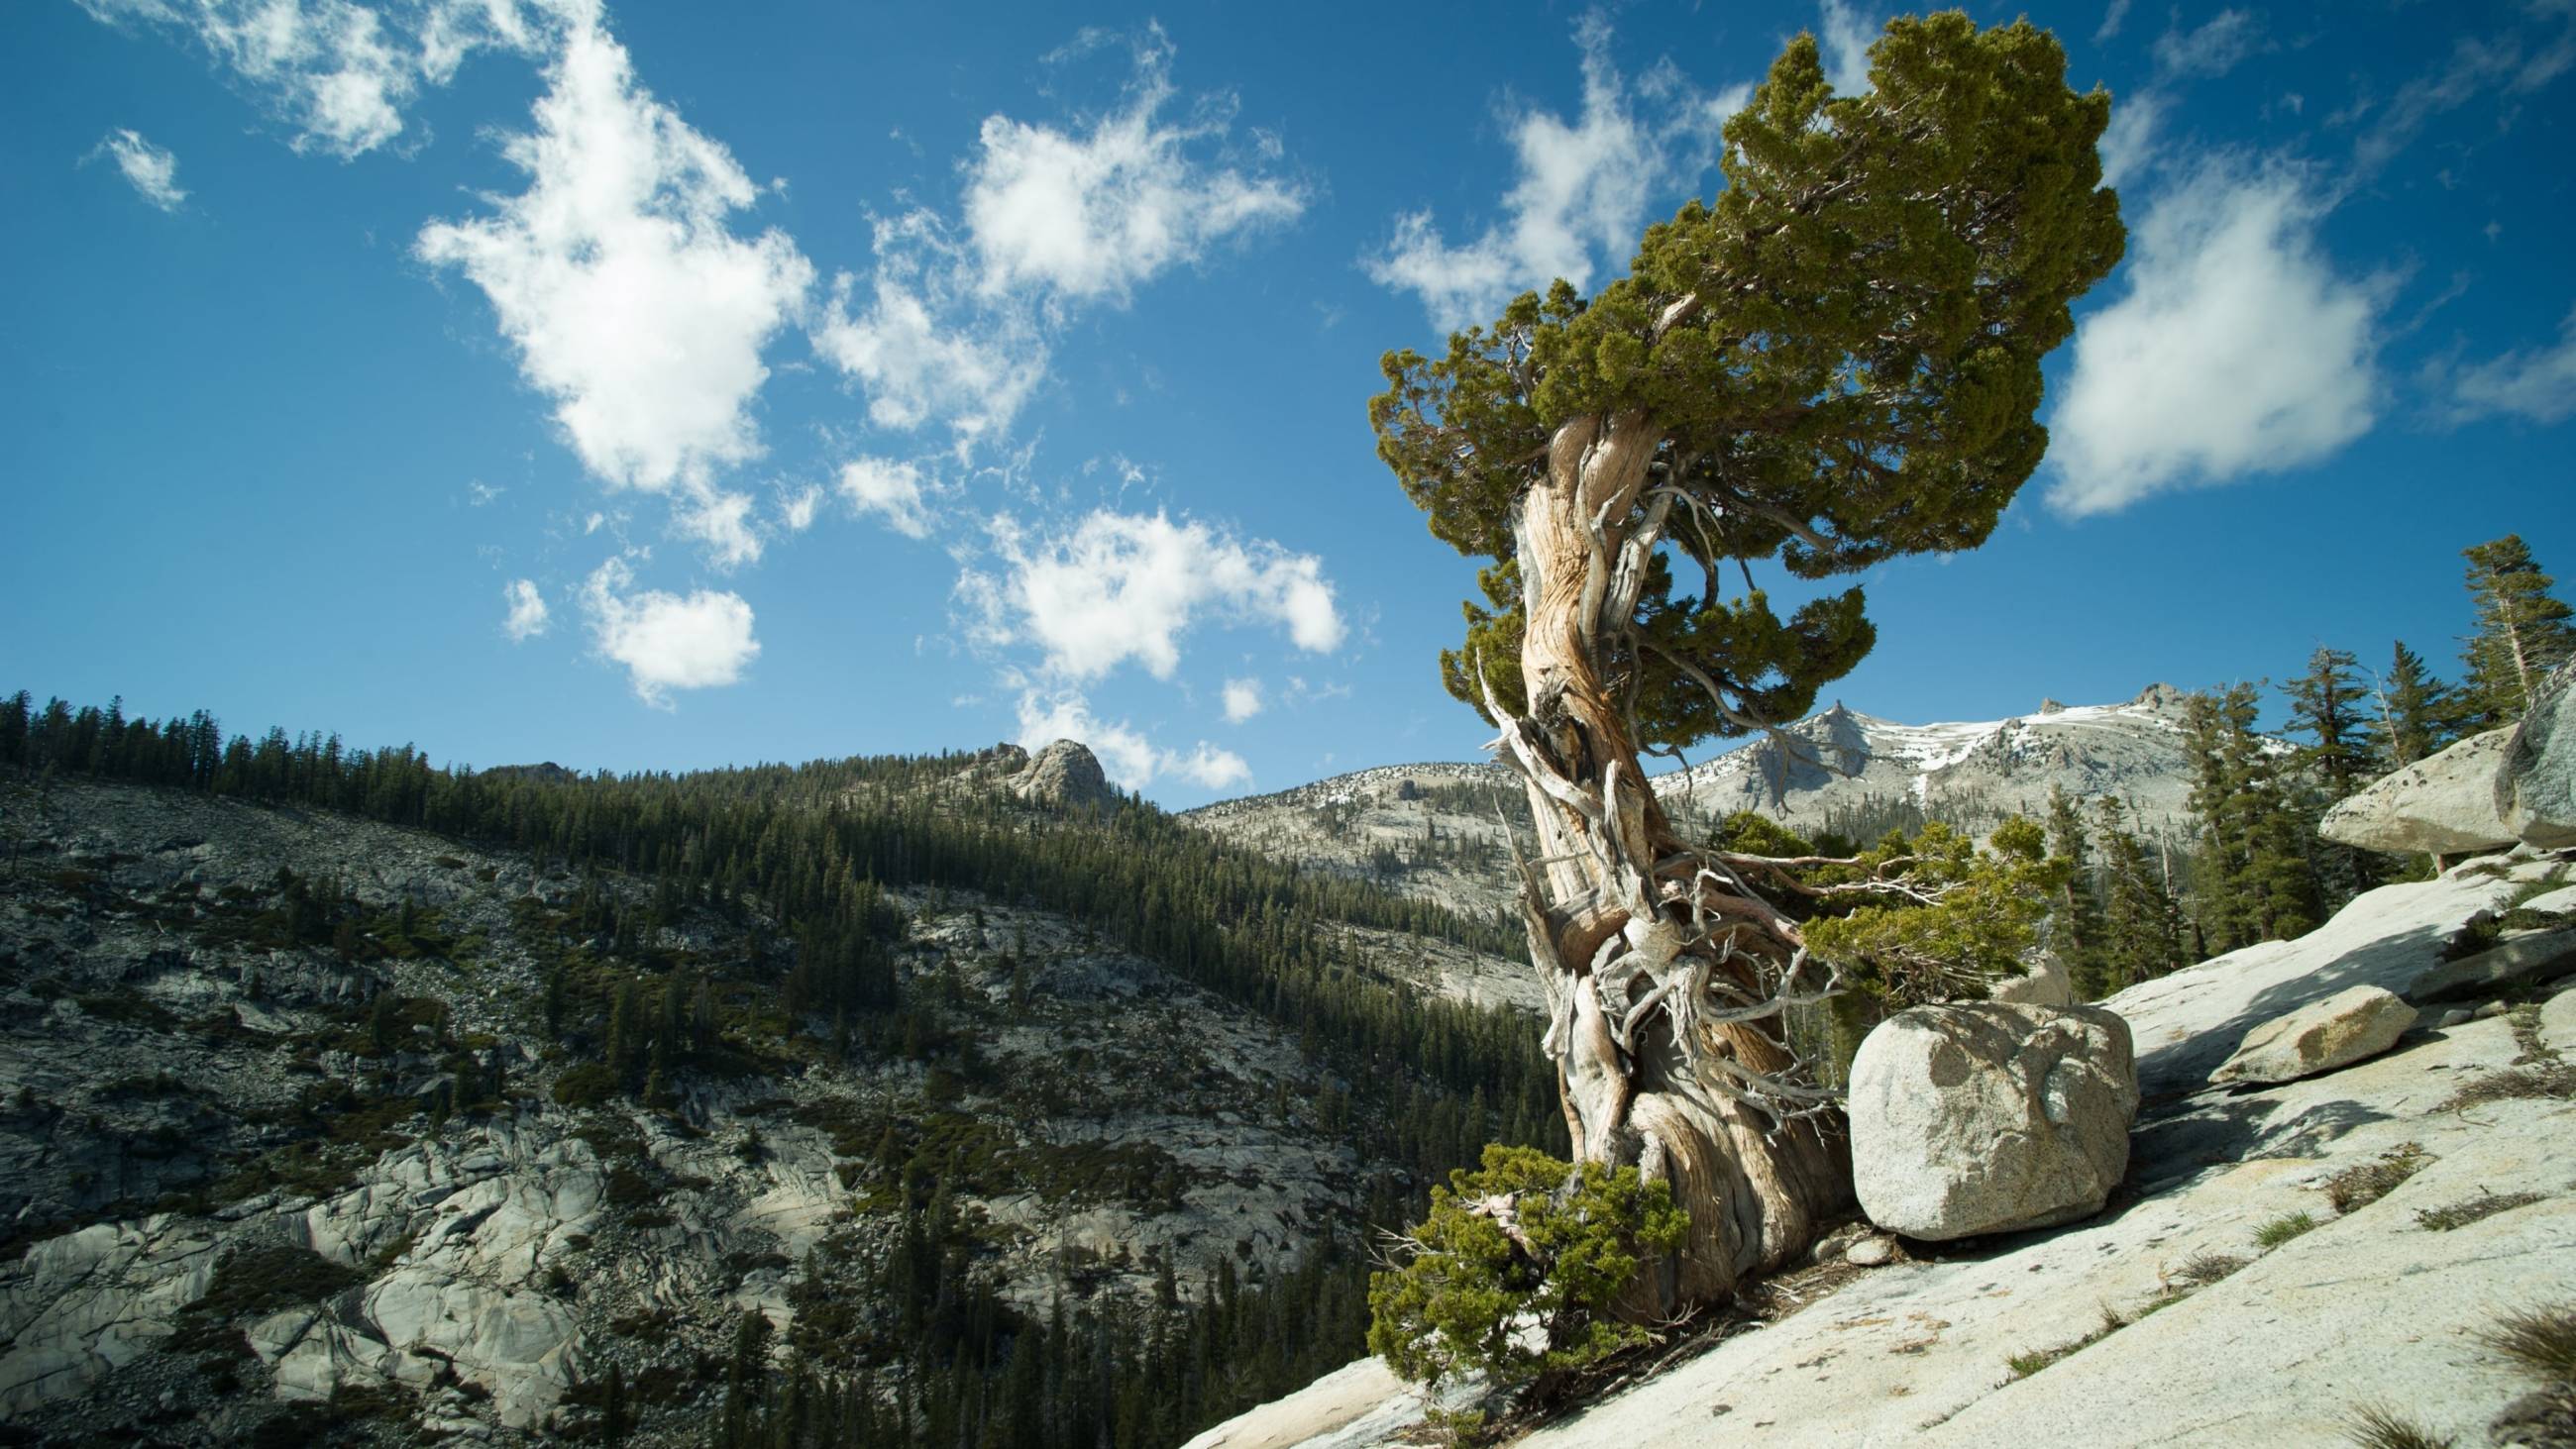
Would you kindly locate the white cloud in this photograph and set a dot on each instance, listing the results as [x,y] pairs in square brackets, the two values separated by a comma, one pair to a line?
[1210,768]
[667,642]
[2212,48]
[528,614]
[1242,700]
[1580,196]
[632,304]
[2112,15]
[1125,754]
[2126,142]
[1847,36]
[889,489]
[955,326]
[339,73]
[479,494]
[2480,67]
[923,347]
[1127,586]
[151,170]
[1092,215]
[2537,384]
[796,511]
[2235,349]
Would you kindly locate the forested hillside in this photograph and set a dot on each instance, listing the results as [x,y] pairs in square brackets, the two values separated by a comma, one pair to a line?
[938,1115]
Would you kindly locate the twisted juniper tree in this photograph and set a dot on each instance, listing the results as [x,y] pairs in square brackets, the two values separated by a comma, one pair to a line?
[1834,363]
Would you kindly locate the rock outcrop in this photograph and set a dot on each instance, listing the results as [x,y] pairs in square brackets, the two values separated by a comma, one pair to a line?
[2322,1036]
[1989,1117]
[1064,774]
[2440,805]
[2535,959]
[2046,983]
[2535,790]
[1842,765]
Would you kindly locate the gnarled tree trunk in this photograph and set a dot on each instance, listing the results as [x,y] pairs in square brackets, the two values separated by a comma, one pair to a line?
[1666,975]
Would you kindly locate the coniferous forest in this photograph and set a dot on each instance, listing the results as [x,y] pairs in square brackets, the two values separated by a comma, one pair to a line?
[806,861]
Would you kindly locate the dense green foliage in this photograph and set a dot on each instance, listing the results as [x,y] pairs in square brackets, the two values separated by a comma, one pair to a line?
[1835,362]
[1514,1272]
[1952,919]
[2522,632]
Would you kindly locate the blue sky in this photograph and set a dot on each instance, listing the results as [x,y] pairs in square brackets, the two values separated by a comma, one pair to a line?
[667,386]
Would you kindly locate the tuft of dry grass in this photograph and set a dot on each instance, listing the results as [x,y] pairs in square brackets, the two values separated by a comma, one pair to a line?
[2505,1084]
[2282,1229]
[2359,1187]
[2023,1365]
[2541,1340]
[2373,1427]
[2202,1269]
[2461,1214]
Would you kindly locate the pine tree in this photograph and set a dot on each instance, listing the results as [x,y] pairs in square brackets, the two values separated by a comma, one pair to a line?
[2255,881]
[2079,919]
[2138,916]
[2522,632]
[2327,706]
[2417,712]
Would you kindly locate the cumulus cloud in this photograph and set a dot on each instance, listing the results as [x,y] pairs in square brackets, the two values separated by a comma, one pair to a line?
[955,326]
[2212,48]
[2236,348]
[151,170]
[1123,587]
[1846,36]
[667,641]
[2127,142]
[630,301]
[921,354]
[339,73]
[2536,384]
[796,510]
[889,489]
[1579,199]
[1091,213]
[528,614]
[1125,754]
[1242,700]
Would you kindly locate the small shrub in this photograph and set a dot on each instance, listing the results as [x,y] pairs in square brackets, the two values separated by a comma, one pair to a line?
[1455,1428]
[2282,1229]
[2359,1187]
[2202,1269]
[587,1085]
[2542,1341]
[1576,1239]
[2373,1427]
[2461,1214]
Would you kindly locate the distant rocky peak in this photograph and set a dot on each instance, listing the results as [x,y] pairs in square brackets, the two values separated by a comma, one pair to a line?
[1064,773]
[2160,697]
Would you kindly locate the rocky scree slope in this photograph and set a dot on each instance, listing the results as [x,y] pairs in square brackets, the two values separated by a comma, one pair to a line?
[1437,832]
[262,1190]
[1856,773]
